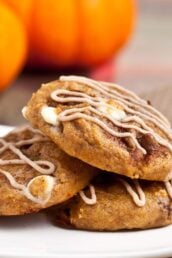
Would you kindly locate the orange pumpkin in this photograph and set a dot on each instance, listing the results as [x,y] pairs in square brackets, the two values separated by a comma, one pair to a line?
[13,46]
[22,8]
[84,33]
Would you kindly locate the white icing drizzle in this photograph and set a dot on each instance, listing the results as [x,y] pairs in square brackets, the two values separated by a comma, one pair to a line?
[42,166]
[93,199]
[138,196]
[115,93]
[65,116]
[140,102]
[23,159]
[135,110]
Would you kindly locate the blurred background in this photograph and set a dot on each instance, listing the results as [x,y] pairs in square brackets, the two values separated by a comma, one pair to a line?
[124,41]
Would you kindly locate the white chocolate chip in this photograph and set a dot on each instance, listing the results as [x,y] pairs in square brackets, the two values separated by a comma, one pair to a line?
[24,111]
[115,113]
[49,185]
[48,180]
[49,115]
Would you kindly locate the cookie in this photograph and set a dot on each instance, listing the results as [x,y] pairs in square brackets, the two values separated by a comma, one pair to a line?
[104,125]
[116,203]
[35,173]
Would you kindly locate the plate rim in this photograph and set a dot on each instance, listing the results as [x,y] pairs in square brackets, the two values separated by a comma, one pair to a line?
[151,253]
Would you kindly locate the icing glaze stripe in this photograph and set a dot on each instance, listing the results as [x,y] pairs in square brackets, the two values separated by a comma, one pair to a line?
[42,166]
[137,110]
[104,88]
[89,201]
[97,121]
[138,196]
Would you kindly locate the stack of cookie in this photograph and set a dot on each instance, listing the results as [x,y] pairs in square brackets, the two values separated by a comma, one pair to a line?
[98,149]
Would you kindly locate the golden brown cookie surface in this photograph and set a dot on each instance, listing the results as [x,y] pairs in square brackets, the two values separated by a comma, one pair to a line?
[35,173]
[105,126]
[115,208]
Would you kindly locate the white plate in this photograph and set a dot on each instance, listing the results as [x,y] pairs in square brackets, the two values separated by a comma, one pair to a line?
[33,236]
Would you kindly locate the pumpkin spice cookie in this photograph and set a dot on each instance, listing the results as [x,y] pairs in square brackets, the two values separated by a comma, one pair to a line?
[114,203]
[35,173]
[104,125]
